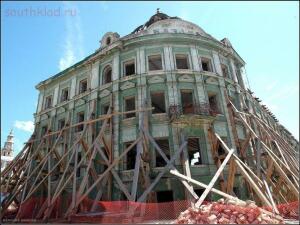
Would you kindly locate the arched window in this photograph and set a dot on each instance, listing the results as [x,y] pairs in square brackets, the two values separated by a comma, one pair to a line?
[107,73]
[108,40]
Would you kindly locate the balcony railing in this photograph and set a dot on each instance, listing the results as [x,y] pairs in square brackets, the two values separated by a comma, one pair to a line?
[203,109]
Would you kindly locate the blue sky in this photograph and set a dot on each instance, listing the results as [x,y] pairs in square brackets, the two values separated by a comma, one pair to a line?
[35,46]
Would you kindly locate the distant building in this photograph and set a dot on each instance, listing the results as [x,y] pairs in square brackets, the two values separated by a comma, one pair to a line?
[7,151]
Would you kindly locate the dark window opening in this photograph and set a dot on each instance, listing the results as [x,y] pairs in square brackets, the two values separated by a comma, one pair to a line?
[158,102]
[44,130]
[104,109]
[107,75]
[80,118]
[187,101]
[200,191]
[48,102]
[164,196]
[206,64]
[130,106]
[78,160]
[221,150]
[224,70]
[155,62]
[193,149]
[130,156]
[129,68]
[213,103]
[64,95]
[108,40]
[164,146]
[61,124]
[182,62]
[237,192]
[83,86]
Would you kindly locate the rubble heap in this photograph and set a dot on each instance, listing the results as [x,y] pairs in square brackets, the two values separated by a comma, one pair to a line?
[227,212]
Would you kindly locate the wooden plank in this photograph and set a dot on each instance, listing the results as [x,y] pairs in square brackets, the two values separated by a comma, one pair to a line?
[273,157]
[114,173]
[158,177]
[198,183]
[106,171]
[186,168]
[214,179]
[167,160]
[246,175]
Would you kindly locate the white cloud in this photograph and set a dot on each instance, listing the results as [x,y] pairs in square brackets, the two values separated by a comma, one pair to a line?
[73,43]
[27,126]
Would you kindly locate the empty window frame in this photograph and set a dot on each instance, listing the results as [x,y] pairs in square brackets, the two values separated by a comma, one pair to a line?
[129,105]
[164,196]
[213,103]
[225,70]
[64,94]
[194,152]
[164,146]
[200,191]
[155,62]
[187,101]
[129,68]
[104,108]
[182,61]
[48,102]
[80,118]
[158,102]
[107,75]
[43,130]
[206,64]
[61,124]
[82,86]
[130,156]
[108,41]
[78,160]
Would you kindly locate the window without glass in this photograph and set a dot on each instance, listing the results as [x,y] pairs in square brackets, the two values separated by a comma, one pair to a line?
[164,146]
[80,118]
[61,124]
[108,40]
[129,68]
[130,156]
[158,102]
[206,64]
[107,74]
[155,62]
[44,130]
[182,61]
[78,160]
[187,101]
[193,148]
[164,196]
[48,102]
[104,109]
[129,106]
[64,95]
[224,70]
[213,103]
[83,86]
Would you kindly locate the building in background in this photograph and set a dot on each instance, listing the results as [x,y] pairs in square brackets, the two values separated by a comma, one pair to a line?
[7,152]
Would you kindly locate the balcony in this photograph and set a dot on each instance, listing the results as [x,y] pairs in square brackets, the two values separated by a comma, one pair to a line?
[192,114]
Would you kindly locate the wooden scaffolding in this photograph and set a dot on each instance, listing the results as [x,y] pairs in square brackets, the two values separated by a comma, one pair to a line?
[270,169]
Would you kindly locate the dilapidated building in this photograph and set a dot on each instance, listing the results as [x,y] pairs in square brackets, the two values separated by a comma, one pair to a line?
[166,83]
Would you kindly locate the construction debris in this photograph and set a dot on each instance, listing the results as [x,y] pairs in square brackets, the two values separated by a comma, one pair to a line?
[227,212]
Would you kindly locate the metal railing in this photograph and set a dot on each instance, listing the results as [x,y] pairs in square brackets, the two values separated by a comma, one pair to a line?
[203,109]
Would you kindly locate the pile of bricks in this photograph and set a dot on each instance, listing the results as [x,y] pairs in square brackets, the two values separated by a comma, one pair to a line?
[227,212]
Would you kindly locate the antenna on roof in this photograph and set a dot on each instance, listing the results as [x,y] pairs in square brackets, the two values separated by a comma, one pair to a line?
[157,10]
